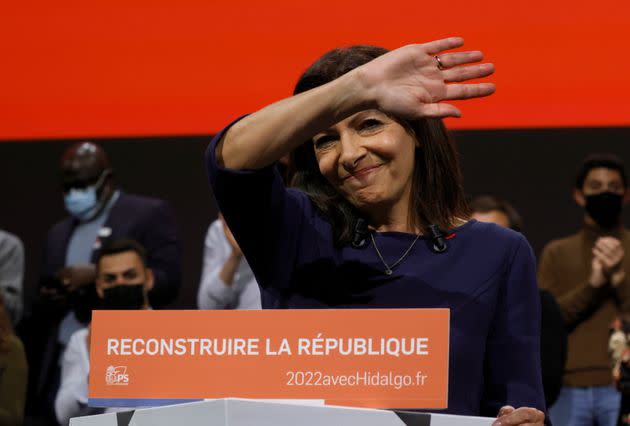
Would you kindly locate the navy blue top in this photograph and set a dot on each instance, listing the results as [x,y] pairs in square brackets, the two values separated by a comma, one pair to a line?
[487,278]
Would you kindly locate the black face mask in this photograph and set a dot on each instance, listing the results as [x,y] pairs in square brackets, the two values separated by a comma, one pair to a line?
[124,297]
[604,208]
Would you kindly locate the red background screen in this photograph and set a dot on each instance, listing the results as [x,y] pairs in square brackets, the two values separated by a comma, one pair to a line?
[120,68]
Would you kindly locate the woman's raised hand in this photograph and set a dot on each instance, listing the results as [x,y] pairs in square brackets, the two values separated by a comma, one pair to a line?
[410,82]
[406,82]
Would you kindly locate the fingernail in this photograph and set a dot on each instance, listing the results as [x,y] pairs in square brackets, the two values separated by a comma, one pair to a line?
[496,424]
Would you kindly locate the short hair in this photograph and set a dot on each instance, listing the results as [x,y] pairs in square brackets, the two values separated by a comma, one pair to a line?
[121,245]
[601,160]
[488,203]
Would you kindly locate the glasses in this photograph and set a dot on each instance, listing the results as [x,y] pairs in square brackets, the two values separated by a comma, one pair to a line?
[82,183]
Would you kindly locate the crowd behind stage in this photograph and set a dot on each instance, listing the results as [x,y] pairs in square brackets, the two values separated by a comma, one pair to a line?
[117,250]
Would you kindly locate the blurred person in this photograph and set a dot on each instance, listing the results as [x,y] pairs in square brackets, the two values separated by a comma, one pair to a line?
[586,272]
[376,217]
[487,208]
[11,275]
[98,211]
[619,350]
[553,336]
[227,281]
[123,281]
[13,373]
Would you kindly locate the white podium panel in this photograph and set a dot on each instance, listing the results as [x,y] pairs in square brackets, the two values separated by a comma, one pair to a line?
[243,412]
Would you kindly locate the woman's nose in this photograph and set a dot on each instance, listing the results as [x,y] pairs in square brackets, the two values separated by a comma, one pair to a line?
[352,151]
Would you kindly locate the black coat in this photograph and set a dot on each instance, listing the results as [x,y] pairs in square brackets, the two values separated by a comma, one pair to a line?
[150,222]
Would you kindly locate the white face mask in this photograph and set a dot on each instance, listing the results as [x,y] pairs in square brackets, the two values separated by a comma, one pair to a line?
[83,203]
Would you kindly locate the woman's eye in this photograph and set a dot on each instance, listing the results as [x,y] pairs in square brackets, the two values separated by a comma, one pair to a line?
[370,124]
[323,142]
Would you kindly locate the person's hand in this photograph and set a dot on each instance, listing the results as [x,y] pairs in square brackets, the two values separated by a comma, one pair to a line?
[597,277]
[236,250]
[609,253]
[617,278]
[409,82]
[76,276]
[525,416]
[52,298]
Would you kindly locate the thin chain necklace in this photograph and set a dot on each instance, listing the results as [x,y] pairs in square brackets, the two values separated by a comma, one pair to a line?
[389,269]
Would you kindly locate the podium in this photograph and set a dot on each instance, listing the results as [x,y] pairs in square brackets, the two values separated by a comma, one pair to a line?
[244,412]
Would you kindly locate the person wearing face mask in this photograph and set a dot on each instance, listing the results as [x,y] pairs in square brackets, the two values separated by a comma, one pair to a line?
[587,273]
[97,211]
[123,281]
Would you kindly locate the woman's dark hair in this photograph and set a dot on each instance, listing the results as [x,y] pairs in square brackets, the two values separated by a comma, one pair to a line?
[437,193]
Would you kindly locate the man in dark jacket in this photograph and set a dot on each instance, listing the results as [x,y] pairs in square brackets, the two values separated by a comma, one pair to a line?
[98,211]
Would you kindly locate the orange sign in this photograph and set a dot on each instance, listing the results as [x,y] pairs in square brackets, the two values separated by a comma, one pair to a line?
[380,358]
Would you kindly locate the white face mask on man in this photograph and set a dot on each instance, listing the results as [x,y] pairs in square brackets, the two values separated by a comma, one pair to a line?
[83,203]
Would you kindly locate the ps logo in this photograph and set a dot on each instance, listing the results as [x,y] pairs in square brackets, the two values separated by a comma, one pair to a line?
[116,376]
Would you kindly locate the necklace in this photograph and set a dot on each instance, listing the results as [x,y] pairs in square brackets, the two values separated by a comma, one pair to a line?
[388,268]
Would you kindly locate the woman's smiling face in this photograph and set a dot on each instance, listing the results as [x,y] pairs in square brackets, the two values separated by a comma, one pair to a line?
[369,158]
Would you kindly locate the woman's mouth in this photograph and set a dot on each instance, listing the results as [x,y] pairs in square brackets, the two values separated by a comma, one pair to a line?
[361,173]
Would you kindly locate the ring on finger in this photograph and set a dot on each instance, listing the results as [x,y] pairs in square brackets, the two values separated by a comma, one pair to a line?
[440,65]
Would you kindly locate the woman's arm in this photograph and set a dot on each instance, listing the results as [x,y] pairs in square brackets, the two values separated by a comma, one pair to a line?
[405,82]
[512,365]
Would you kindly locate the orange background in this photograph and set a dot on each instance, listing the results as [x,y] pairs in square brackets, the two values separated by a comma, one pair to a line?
[120,68]
[263,376]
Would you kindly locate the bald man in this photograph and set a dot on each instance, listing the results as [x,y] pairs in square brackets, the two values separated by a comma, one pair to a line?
[97,211]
